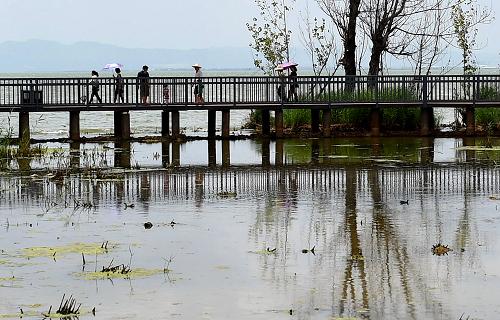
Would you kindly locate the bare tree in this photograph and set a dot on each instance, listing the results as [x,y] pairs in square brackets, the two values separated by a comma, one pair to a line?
[319,42]
[344,15]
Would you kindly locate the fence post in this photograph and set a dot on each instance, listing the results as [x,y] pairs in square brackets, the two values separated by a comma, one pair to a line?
[186,92]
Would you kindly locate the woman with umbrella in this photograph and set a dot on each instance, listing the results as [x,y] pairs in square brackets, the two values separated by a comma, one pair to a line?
[293,83]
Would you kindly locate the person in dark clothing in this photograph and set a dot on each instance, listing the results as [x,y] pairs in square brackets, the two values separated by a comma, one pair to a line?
[119,87]
[292,91]
[144,84]
[94,81]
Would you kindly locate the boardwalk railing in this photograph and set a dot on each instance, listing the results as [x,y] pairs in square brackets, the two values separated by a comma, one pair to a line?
[174,94]
[43,94]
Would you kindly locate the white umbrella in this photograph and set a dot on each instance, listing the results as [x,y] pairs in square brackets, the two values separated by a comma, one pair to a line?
[112,66]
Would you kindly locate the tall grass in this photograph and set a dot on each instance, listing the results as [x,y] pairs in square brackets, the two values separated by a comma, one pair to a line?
[488,117]
[406,118]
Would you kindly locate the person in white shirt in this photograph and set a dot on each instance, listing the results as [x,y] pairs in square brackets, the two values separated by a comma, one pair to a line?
[198,85]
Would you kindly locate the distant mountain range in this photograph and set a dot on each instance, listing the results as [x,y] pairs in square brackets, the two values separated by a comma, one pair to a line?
[49,56]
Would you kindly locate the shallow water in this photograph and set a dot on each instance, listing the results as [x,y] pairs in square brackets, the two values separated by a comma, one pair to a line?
[372,255]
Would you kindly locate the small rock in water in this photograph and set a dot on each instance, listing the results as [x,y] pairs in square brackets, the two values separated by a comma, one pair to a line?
[148,225]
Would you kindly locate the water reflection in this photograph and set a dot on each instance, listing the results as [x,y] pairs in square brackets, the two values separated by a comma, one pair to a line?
[372,255]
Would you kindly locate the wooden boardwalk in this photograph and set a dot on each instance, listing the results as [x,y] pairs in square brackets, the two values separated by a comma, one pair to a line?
[321,95]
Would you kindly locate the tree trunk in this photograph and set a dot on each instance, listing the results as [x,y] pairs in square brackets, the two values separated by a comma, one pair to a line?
[350,39]
[376,56]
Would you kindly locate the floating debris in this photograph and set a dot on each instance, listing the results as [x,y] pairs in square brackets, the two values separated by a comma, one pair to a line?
[78,248]
[271,250]
[309,250]
[440,250]
[148,225]
[227,194]
[129,205]
[136,273]
[402,202]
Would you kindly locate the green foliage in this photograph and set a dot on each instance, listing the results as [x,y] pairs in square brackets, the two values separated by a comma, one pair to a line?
[295,118]
[466,16]
[406,118]
[270,34]
[488,118]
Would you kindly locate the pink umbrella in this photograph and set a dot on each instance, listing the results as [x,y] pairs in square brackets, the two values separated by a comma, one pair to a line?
[288,65]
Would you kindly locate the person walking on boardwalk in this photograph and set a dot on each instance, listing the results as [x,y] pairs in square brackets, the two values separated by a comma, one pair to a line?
[94,82]
[292,90]
[119,87]
[281,89]
[143,77]
[198,85]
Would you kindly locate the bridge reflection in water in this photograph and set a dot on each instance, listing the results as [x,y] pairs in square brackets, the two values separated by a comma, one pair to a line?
[373,254]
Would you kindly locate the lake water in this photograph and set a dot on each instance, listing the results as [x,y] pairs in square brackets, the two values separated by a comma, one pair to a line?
[233,225]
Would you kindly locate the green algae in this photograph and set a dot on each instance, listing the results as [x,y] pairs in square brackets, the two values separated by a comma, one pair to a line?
[137,273]
[76,248]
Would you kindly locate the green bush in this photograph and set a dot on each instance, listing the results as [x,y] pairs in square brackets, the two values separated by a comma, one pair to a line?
[392,118]
[488,117]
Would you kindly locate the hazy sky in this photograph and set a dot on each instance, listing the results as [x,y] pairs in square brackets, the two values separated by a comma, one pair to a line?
[181,24]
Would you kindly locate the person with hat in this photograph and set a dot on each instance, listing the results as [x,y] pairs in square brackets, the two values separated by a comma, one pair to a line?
[143,77]
[198,85]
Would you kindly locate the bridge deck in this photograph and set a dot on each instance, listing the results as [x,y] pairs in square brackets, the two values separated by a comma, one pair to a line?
[220,93]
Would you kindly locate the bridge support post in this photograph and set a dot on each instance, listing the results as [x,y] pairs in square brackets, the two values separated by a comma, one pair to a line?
[212,116]
[165,154]
[225,123]
[165,124]
[266,122]
[74,125]
[470,121]
[117,120]
[278,157]
[226,153]
[426,121]
[315,120]
[212,153]
[266,152]
[375,121]
[327,119]
[24,130]
[125,126]
[176,126]
[176,154]
[278,123]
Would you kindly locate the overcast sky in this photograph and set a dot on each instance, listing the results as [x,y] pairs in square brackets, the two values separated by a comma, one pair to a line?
[179,24]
